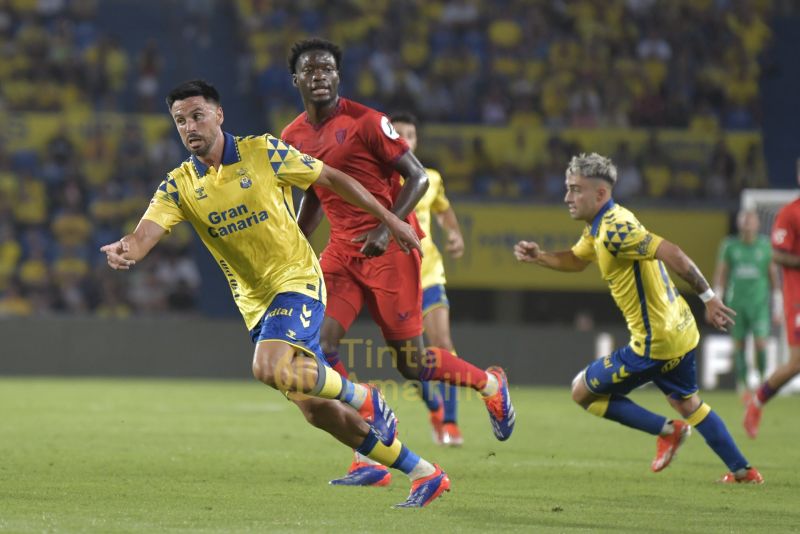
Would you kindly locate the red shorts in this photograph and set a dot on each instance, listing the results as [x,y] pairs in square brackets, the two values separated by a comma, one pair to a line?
[391,286]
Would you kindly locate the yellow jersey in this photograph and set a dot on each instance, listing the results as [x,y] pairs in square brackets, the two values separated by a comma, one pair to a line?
[661,324]
[244,214]
[434,201]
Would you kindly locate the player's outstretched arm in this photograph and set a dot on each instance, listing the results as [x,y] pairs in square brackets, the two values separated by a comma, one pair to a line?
[449,223]
[310,214]
[123,254]
[563,260]
[353,192]
[673,257]
[786,259]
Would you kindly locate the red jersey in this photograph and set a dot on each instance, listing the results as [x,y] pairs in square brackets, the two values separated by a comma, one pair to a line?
[786,238]
[361,142]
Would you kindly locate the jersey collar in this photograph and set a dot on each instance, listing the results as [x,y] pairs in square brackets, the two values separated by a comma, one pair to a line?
[336,111]
[230,155]
[597,218]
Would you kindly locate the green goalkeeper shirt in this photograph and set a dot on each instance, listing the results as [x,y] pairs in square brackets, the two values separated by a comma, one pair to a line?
[748,271]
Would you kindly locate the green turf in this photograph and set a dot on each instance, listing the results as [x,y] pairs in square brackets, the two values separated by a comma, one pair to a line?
[199,456]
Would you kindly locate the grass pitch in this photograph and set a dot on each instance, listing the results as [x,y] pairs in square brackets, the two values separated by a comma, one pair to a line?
[203,456]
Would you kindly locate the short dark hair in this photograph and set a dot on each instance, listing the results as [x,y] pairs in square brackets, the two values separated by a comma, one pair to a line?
[405,117]
[193,88]
[315,43]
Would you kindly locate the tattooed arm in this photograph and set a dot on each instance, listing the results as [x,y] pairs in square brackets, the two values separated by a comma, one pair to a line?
[673,257]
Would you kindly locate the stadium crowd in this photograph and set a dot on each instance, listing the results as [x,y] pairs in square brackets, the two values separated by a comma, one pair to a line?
[515,65]
[584,63]
[524,64]
[57,208]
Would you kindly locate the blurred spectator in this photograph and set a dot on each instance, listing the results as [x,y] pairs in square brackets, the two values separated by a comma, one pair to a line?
[722,170]
[657,167]
[13,302]
[629,177]
[752,172]
[112,303]
[558,54]
[165,153]
[178,275]
[530,69]
[149,66]
[196,27]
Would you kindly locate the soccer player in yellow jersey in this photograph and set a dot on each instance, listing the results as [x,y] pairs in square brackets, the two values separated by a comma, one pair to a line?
[442,404]
[664,335]
[236,193]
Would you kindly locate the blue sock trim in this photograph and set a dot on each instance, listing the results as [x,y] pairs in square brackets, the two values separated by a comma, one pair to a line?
[406,461]
[625,411]
[369,443]
[716,434]
[449,396]
[430,396]
[348,391]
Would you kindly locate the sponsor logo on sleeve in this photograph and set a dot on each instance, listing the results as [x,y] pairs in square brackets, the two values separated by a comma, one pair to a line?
[388,129]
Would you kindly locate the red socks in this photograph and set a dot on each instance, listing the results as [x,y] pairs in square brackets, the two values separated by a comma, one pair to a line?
[336,363]
[444,366]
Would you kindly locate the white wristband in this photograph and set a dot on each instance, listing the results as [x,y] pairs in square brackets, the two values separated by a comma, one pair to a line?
[707,295]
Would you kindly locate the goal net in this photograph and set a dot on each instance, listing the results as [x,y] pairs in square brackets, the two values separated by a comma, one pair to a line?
[766,203]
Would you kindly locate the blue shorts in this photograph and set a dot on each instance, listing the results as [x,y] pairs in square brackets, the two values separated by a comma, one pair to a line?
[295,319]
[624,370]
[434,297]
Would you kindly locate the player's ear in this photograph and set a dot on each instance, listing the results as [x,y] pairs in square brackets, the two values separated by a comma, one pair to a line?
[294,79]
[220,115]
[601,191]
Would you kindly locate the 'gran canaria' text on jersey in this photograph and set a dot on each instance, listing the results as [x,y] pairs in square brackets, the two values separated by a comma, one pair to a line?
[240,217]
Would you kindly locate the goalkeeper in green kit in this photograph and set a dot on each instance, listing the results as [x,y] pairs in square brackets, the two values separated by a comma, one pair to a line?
[746,275]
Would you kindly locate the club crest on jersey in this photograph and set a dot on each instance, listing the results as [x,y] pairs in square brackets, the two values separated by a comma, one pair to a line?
[340,135]
[388,129]
[200,193]
[245,182]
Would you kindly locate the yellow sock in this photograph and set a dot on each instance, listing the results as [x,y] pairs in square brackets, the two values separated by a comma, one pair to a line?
[331,385]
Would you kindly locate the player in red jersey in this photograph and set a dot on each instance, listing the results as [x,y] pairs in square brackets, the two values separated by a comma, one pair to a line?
[786,253]
[359,263]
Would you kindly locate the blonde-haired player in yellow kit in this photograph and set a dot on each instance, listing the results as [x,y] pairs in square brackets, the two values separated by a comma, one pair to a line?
[441,401]
[663,332]
[236,193]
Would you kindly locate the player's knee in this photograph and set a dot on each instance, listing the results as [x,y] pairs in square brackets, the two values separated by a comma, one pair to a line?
[269,372]
[263,372]
[580,394]
[686,407]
